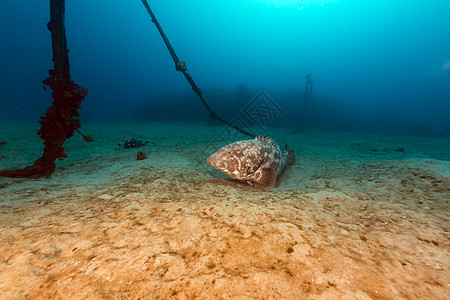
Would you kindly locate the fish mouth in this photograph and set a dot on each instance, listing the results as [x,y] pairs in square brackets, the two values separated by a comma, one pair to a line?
[219,164]
[213,161]
[209,160]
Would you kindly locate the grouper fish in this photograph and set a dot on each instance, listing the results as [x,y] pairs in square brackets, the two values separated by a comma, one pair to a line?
[258,162]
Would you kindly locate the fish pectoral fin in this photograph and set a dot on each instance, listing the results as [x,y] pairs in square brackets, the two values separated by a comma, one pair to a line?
[267,179]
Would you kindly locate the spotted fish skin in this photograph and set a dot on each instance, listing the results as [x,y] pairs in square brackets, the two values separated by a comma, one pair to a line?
[257,162]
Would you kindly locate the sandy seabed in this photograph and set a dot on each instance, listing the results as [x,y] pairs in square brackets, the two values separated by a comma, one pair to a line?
[355,218]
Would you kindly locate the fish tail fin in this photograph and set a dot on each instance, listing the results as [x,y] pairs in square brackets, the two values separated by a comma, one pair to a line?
[289,154]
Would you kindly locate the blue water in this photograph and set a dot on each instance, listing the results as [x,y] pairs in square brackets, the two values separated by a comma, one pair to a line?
[363,213]
[378,66]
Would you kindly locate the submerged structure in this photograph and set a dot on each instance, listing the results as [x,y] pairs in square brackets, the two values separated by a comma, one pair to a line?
[358,216]
[58,124]
[307,111]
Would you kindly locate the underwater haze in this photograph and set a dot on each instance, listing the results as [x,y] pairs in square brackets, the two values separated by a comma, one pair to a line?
[342,191]
[378,66]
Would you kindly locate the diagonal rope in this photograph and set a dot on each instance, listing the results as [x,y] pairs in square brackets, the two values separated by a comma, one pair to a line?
[181,66]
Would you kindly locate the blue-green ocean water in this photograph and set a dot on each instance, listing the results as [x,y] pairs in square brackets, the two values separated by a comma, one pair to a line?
[378,66]
[362,214]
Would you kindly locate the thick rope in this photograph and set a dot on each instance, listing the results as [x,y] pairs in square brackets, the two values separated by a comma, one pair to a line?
[181,66]
[58,124]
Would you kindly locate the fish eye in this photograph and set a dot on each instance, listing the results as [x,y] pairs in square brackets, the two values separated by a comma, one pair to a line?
[230,153]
